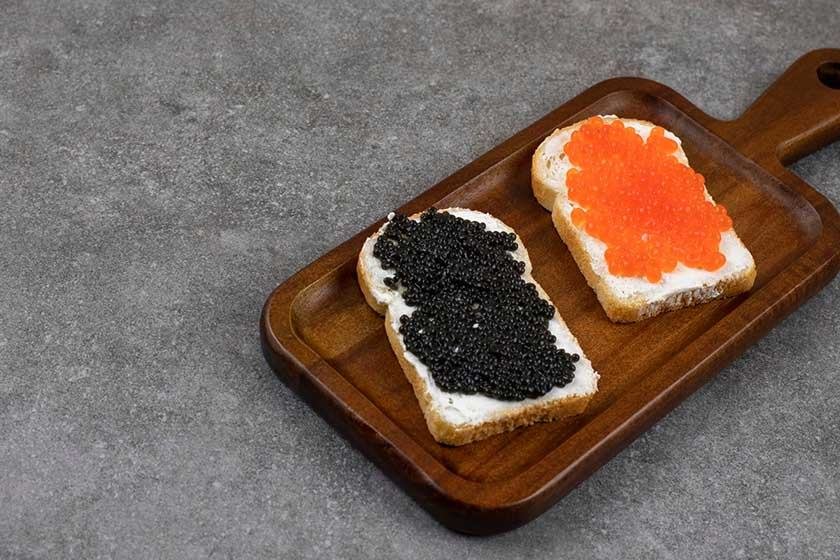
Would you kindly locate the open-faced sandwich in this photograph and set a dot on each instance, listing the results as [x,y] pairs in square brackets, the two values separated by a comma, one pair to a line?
[638,220]
[479,340]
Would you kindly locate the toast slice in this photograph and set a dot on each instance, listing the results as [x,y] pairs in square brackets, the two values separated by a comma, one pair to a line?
[459,418]
[631,298]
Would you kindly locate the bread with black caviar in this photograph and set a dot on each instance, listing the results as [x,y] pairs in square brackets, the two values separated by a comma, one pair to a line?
[457,418]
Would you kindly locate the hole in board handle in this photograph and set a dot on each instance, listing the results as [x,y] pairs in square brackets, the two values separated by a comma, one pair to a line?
[829,74]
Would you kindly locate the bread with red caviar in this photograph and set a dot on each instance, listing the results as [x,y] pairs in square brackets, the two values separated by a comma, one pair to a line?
[632,212]
[458,418]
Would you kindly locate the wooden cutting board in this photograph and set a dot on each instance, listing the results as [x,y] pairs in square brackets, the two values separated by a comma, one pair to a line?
[330,347]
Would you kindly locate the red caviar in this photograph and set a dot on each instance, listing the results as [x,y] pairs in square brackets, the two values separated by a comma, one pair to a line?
[649,209]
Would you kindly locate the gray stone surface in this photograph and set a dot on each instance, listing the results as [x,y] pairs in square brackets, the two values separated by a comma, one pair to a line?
[163,166]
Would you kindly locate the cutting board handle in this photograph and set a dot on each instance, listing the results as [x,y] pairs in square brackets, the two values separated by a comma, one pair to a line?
[797,115]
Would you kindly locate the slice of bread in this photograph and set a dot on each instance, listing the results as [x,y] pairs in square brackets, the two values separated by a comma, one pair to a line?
[625,298]
[454,418]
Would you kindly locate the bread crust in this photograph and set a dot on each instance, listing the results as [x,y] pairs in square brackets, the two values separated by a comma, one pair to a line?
[364,284]
[622,309]
[544,193]
[442,430]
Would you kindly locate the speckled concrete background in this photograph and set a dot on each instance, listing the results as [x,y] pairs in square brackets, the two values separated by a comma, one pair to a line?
[164,165]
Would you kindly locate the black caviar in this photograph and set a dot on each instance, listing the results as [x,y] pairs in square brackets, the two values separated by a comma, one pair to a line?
[477,325]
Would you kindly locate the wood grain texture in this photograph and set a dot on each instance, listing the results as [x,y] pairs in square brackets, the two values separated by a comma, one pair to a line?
[329,346]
